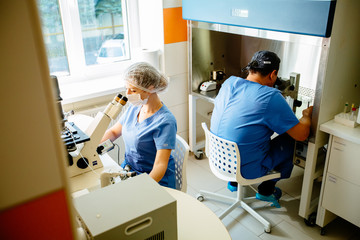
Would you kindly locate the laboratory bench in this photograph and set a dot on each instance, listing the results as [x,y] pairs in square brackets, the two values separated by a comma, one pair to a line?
[340,190]
[194,219]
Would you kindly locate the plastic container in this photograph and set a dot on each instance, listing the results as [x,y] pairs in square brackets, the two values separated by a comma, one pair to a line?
[345,119]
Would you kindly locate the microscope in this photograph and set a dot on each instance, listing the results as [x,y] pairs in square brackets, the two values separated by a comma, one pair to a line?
[83,147]
[86,156]
[289,88]
[70,133]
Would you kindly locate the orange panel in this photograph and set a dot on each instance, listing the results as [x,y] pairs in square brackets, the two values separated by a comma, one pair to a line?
[175,27]
[43,218]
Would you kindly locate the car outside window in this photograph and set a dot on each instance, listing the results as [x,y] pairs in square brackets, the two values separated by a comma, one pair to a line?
[84,34]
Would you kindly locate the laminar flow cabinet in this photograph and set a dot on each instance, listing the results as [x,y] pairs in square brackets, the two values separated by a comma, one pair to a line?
[310,39]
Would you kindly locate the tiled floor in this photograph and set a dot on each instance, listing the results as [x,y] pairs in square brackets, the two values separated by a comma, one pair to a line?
[286,222]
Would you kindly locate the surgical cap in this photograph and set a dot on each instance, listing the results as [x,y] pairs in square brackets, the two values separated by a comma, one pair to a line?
[264,60]
[145,77]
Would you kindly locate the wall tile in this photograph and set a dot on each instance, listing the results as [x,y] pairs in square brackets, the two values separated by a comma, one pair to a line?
[175,27]
[184,135]
[175,58]
[181,114]
[177,92]
[172,3]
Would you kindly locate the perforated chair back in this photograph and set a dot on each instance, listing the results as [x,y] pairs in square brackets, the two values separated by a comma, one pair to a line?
[181,154]
[225,161]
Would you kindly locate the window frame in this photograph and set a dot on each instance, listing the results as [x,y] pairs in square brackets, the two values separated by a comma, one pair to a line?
[78,70]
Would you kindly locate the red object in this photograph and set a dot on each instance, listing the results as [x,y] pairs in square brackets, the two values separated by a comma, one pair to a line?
[46,217]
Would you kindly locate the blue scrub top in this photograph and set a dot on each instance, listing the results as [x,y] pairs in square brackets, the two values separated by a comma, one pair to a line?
[248,113]
[143,139]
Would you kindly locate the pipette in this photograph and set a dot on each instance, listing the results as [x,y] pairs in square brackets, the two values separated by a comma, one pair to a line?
[346,107]
[353,109]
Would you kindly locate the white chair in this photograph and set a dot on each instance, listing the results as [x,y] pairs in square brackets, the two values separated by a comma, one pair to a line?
[224,161]
[180,154]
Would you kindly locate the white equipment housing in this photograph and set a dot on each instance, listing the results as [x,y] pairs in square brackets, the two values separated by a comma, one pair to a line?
[138,208]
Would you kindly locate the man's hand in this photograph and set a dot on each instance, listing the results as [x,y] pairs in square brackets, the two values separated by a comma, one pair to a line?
[308,112]
[301,131]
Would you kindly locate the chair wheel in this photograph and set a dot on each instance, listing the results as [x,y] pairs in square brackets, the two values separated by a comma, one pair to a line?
[200,198]
[267,230]
[199,154]
[311,221]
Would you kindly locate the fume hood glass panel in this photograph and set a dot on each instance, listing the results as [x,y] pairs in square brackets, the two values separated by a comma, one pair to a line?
[104,32]
[213,50]
[53,35]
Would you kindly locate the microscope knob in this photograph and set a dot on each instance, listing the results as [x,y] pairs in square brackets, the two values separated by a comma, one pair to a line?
[297,103]
[70,160]
[82,163]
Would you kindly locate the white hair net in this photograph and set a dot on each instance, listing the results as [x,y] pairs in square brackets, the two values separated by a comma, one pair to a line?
[145,77]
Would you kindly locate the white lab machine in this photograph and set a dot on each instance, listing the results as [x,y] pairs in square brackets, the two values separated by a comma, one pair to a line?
[208,86]
[138,208]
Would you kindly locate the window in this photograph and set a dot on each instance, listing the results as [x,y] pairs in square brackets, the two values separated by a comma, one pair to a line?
[84,37]
[53,35]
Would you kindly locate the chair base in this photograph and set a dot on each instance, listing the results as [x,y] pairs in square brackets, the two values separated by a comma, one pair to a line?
[236,202]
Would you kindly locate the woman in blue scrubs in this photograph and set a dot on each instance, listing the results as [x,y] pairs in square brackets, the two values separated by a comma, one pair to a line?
[147,126]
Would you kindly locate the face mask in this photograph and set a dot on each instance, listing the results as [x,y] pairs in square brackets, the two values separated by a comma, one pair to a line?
[135,99]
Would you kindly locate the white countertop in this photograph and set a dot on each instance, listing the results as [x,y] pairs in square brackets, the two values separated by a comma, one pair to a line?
[341,131]
[195,220]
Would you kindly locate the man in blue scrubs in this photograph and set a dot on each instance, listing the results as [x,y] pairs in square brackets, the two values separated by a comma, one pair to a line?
[248,112]
[148,127]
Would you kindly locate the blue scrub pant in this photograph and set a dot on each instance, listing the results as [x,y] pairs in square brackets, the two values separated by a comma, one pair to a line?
[282,152]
